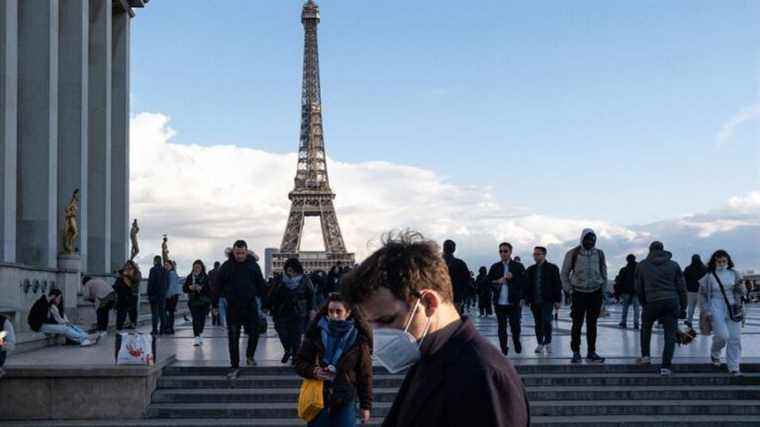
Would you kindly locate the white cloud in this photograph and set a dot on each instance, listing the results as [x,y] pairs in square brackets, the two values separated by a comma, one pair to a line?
[728,128]
[205,197]
[748,203]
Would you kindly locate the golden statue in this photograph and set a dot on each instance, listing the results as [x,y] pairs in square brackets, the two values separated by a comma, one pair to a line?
[165,250]
[133,237]
[70,230]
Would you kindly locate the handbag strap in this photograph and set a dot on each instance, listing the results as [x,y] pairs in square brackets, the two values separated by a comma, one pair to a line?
[725,298]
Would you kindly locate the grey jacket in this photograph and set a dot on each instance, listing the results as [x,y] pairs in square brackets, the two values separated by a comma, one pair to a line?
[584,271]
[659,278]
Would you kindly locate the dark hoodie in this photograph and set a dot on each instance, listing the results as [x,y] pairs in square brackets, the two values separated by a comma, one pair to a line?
[241,282]
[625,283]
[693,273]
[353,379]
[659,278]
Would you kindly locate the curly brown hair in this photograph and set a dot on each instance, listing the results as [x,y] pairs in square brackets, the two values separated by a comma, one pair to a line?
[406,264]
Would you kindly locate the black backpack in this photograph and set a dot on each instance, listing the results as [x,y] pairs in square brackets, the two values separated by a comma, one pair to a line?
[38,313]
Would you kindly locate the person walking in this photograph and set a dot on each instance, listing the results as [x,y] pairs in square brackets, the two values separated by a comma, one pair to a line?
[292,305]
[216,314]
[485,291]
[662,289]
[544,295]
[721,295]
[241,282]
[507,278]
[625,290]
[127,290]
[172,294]
[693,273]
[198,299]
[337,349]
[454,377]
[158,285]
[584,278]
[458,272]
[103,296]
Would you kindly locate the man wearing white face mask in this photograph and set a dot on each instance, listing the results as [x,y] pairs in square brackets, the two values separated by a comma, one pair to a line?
[455,376]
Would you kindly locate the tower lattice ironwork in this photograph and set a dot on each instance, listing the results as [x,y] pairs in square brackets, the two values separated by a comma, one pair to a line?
[312,195]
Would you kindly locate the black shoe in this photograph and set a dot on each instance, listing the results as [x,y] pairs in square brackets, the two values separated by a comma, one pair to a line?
[622,325]
[233,374]
[576,358]
[518,347]
[285,357]
[594,358]
[505,350]
[635,326]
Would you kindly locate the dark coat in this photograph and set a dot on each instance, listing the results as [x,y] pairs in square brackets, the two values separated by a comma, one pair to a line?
[516,286]
[214,287]
[39,313]
[659,278]
[295,303]
[241,282]
[126,294]
[460,276]
[354,370]
[625,281]
[466,382]
[693,273]
[158,284]
[552,286]
[198,299]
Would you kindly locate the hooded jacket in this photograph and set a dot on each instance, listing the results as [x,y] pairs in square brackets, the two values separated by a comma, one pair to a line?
[584,270]
[693,273]
[659,278]
[625,282]
[353,378]
[241,282]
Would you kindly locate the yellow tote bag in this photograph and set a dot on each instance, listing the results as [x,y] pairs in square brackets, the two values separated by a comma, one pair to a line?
[310,399]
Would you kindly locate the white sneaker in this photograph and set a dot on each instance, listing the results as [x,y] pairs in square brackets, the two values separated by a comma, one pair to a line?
[86,343]
[548,348]
[200,340]
[101,334]
[197,342]
[539,349]
[665,372]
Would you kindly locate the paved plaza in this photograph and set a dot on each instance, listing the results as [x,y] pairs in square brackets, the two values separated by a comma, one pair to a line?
[617,345]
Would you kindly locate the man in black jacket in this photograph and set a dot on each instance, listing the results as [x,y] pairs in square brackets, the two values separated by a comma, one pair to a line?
[459,274]
[661,286]
[544,294]
[692,274]
[241,282]
[625,289]
[158,285]
[455,376]
[508,279]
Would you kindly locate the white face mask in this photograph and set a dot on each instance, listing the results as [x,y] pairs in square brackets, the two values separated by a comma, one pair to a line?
[397,349]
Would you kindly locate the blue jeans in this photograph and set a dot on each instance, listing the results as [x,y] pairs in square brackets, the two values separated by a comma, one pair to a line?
[72,332]
[223,311]
[345,416]
[628,300]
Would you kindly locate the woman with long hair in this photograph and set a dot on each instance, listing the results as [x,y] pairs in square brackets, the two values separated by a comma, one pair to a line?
[56,321]
[292,303]
[198,298]
[721,293]
[127,289]
[337,349]
[172,295]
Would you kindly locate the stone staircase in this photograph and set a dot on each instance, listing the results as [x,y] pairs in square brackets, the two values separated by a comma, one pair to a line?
[560,395]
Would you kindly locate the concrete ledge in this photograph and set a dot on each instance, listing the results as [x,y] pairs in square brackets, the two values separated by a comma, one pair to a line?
[85,392]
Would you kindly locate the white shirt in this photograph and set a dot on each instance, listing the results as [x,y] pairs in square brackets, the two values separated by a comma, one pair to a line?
[504,293]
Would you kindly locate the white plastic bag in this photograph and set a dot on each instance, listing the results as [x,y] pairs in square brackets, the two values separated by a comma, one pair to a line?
[135,349]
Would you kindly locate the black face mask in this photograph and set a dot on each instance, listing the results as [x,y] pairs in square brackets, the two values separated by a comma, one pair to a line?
[589,242]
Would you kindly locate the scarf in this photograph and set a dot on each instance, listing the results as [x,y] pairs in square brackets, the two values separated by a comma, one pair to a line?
[292,282]
[336,339]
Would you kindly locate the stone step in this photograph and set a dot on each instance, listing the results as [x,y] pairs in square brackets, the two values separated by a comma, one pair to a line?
[562,368]
[627,395]
[258,410]
[565,408]
[531,380]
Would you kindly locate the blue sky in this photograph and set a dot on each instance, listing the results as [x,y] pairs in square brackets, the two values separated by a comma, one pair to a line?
[593,109]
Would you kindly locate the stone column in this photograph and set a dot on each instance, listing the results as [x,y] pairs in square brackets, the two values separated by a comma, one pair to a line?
[37,242]
[120,139]
[8,127]
[99,135]
[73,111]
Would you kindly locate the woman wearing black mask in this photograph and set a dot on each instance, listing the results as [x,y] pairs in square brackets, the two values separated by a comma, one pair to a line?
[293,305]
[337,350]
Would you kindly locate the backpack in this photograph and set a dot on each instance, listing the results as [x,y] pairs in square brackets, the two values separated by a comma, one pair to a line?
[38,313]
[577,251]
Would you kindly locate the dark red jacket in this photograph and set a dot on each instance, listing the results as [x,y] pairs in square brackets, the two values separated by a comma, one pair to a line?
[354,371]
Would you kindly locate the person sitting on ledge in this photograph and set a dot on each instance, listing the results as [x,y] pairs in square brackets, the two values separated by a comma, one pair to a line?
[47,316]
[7,340]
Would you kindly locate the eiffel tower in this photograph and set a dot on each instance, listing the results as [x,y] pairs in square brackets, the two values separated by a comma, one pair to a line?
[312,195]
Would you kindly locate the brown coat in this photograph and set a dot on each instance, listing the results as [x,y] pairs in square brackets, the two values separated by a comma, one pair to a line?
[354,371]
